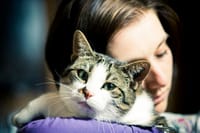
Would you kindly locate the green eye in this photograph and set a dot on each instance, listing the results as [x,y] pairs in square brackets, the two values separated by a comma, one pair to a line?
[109,86]
[82,74]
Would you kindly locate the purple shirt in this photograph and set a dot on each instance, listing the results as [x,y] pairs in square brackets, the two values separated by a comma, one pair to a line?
[74,125]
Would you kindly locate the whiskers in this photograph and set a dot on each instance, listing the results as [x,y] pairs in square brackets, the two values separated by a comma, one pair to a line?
[56,105]
[48,83]
[62,103]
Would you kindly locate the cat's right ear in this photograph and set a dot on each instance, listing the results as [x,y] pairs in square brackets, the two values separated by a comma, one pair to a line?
[81,46]
[139,69]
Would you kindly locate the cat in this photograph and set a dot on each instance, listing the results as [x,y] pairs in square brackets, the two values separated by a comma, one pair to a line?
[96,86]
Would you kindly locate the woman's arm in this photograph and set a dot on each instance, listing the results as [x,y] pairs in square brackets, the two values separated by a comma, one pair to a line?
[72,125]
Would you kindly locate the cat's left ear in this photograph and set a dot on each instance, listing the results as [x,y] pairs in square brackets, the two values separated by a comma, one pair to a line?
[81,46]
[138,69]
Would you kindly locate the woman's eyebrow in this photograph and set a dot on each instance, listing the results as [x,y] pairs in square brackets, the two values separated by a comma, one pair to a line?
[163,40]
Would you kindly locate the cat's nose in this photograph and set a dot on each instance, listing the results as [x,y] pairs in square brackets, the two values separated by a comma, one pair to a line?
[85,92]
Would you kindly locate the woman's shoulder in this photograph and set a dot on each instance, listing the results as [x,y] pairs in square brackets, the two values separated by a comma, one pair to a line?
[73,125]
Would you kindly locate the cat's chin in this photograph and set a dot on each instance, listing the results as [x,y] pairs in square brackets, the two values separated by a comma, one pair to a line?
[97,107]
[84,105]
[89,106]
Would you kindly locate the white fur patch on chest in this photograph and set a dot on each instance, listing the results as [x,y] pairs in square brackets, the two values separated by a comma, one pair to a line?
[142,111]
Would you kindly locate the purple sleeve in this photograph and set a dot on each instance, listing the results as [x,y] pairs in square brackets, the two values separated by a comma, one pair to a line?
[72,125]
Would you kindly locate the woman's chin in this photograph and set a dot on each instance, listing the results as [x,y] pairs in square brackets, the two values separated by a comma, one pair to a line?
[161,106]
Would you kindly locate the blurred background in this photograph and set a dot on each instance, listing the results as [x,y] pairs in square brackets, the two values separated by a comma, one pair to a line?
[23,30]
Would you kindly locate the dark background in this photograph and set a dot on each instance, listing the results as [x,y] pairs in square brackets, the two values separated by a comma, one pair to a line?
[189,100]
[23,29]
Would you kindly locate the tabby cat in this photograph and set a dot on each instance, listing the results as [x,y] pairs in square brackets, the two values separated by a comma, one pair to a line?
[96,86]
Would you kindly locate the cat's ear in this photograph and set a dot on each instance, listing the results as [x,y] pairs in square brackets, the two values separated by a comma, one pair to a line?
[81,46]
[138,69]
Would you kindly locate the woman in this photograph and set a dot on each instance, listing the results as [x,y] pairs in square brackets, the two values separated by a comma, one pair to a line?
[126,30]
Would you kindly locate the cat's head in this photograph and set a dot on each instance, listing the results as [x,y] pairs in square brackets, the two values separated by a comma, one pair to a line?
[99,82]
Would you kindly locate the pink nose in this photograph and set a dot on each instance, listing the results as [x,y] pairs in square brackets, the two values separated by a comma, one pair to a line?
[86,93]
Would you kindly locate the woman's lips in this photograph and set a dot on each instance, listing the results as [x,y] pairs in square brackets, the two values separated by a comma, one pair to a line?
[159,98]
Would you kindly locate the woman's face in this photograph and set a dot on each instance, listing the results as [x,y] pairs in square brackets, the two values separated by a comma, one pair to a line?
[146,39]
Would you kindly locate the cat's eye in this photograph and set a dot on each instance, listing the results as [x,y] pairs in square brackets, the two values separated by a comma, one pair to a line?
[82,74]
[109,86]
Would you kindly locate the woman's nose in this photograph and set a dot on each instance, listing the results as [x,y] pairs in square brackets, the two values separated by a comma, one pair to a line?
[156,78]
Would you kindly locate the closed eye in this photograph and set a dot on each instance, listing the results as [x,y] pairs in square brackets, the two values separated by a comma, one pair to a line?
[160,55]
[109,86]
